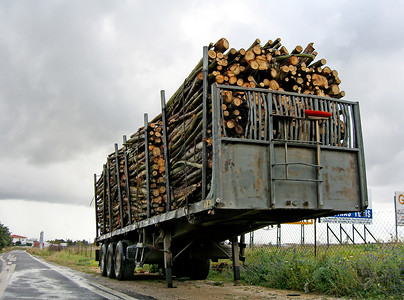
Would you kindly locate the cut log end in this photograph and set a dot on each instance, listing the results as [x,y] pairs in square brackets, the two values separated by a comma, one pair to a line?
[221,45]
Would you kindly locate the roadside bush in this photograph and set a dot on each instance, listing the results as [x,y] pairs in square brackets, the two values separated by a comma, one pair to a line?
[45,252]
[371,271]
[335,276]
[381,272]
[5,239]
[81,260]
[286,269]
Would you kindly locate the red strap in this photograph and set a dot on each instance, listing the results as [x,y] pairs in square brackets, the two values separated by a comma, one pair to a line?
[317,113]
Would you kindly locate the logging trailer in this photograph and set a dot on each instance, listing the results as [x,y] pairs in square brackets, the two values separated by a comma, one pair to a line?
[301,157]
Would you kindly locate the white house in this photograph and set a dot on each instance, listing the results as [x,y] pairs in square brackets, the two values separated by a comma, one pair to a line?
[22,240]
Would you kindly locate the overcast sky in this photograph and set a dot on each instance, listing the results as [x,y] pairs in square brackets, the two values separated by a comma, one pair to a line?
[75,76]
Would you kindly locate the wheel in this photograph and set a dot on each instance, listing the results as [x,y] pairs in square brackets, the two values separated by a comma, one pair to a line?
[111,260]
[195,269]
[180,268]
[199,269]
[103,259]
[124,269]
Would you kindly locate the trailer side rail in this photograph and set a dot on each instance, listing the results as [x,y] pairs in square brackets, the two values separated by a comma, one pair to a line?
[272,119]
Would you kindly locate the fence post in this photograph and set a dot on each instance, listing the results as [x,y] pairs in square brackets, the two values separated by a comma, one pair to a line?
[278,235]
[395,215]
[328,236]
[315,237]
[251,239]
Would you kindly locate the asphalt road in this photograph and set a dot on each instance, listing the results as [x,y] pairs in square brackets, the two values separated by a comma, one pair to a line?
[24,276]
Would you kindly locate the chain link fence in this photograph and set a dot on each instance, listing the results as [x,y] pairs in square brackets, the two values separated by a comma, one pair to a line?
[83,250]
[340,259]
[317,236]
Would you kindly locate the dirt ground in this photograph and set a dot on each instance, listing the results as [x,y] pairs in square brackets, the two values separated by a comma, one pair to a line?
[155,288]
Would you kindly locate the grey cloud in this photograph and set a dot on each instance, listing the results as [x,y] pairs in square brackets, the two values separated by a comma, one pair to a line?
[59,88]
[77,75]
[75,78]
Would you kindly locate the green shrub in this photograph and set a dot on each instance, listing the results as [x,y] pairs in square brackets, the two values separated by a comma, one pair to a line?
[335,276]
[282,269]
[5,239]
[358,271]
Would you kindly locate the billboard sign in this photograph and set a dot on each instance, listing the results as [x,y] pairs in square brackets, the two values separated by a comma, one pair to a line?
[399,206]
[303,222]
[353,217]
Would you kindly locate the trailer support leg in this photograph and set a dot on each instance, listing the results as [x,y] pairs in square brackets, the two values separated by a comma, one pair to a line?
[168,259]
[236,260]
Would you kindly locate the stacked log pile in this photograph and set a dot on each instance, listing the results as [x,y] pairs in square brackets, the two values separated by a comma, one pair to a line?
[135,149]
[266,65]
[273,66]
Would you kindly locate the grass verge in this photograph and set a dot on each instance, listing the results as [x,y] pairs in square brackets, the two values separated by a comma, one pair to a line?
[79,260]
[374,271]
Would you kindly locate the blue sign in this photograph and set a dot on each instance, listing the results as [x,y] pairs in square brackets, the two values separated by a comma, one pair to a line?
[367,214]
[354,217]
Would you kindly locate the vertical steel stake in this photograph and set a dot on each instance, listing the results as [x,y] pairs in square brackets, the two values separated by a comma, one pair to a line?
[118,185]
[166,152]
[204,119]
[146,149]
[104,200]
[96,206]
[127,184]
[109,197]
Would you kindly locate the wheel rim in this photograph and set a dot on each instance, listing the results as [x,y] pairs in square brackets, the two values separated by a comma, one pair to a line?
[109,262]
[102,261]
[103,257]
[118,261]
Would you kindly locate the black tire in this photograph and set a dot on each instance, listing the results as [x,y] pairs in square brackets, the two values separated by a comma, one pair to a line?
[199,269]
[195,269]
[180,268]
[103,259]
[124,269]
[110,263]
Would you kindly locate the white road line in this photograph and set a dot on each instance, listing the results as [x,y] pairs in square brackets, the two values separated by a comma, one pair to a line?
[11,257]
[5,275]
[82,282]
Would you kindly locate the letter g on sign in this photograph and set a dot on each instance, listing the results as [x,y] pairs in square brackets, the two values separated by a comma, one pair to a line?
[401,199]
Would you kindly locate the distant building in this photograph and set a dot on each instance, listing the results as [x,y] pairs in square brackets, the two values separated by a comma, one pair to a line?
[38,244]
[18,239]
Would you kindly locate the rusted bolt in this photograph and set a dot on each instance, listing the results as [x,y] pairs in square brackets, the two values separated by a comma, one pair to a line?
[305,203]
[288,203]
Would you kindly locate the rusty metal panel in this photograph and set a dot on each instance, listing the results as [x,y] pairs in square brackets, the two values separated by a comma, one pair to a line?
[295,184]
[244,176]
[341,180]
